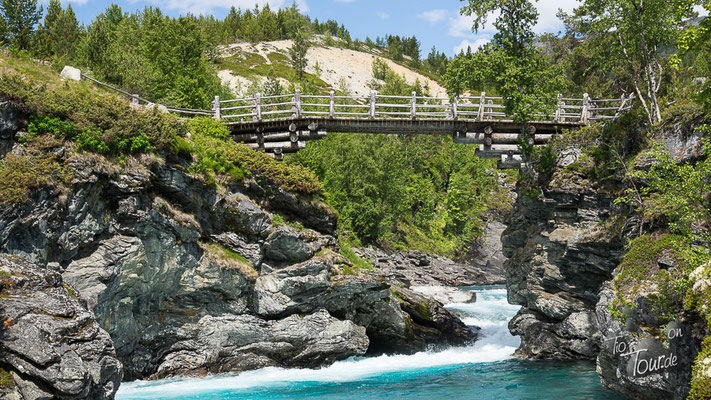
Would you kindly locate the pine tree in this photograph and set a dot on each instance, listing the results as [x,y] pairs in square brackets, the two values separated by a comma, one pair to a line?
[65,34]
[298,53]
[43,47]
[21,16]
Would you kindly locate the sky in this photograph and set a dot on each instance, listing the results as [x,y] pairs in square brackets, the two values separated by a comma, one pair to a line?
[435,23]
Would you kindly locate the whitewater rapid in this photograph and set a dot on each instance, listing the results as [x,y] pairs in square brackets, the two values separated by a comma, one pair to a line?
[491,312]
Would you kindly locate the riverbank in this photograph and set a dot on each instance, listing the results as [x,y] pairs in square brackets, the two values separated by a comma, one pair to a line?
[485,370]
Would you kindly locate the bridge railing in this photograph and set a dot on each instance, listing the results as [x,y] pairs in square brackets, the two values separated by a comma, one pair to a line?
[377,106]
[414,107]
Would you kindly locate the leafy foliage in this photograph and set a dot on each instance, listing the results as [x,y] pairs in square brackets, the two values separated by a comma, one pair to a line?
[105,124]
[675,194]
[700,380]
[696,39]
[511,65]
[630,35]
[219,155]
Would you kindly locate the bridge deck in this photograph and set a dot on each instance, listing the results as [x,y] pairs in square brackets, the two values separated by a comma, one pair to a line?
[393,126]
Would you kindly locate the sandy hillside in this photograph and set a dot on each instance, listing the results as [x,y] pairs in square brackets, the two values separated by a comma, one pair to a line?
[337,65]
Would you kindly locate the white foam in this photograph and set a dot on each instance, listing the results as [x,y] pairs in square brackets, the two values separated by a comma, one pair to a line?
[495,344]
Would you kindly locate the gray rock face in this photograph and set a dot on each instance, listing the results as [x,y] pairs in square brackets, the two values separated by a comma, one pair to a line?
[189,279]
[627,374]
[49,342]
[559,258]
[11,121]
[241,342]
[287,245]
[420,269]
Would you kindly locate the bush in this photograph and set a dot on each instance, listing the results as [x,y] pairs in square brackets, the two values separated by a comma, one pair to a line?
[70,109]
[640,267]
[21,174]
[700,379]
[219,154]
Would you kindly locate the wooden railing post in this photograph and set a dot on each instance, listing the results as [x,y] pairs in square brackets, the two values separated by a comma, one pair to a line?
[586,106]
[134,100]
[490,109]
[559,110]
[482,101]
[622,106]
[332,105]
[413,106]
[373,96]
[297,105]
[258,103]
[455,106]
[216,112]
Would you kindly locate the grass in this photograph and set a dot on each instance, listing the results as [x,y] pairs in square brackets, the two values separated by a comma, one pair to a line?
[232,259]
[357,262]
[6,380]
[252,65]
[28,68]
[22,173]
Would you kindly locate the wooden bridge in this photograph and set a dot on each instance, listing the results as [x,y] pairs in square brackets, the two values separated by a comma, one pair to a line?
[284,123]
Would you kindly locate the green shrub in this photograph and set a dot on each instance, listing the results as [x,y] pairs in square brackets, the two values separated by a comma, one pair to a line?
[219,154]
[640,267]
[69,109]
[700,379]
[6,380]
[533,194]
[42,124]
[22,173]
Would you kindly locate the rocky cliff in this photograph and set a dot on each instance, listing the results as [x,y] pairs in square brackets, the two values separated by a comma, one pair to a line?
[559,256]
[191,278]
[50,343]
[596,280]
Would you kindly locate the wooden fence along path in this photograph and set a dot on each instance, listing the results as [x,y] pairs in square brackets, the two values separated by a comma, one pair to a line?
[283,123]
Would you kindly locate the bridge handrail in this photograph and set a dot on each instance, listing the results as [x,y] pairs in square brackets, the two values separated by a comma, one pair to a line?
[374,105]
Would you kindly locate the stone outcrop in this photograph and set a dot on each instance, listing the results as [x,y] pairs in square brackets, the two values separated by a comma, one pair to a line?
[50,344]
[565,242]
[415,268]
[559,256]
[190,279]
[672,350]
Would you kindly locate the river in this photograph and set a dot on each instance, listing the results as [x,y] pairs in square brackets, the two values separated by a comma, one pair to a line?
[484,370]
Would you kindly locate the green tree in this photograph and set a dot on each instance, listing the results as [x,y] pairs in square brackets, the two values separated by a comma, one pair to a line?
[698,39]
[298,51]
[632,33]
[21,17]
[44,38]
[64,34]
[514,66]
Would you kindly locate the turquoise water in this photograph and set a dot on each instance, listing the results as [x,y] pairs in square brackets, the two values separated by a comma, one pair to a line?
[482,371]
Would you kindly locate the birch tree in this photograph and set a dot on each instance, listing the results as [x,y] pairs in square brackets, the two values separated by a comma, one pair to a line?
[635,33]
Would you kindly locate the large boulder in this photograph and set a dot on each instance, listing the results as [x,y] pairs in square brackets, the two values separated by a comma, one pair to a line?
[50,343]
[232,343]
